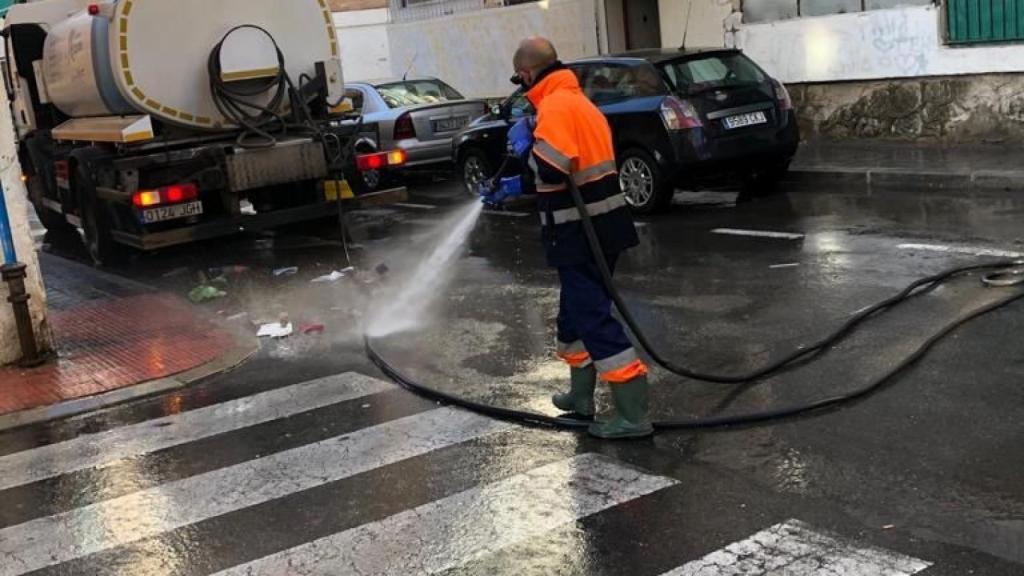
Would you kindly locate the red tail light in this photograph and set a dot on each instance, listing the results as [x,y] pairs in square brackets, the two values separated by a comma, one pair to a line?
[679,114]
[782,95]
[404,128]
[174,194]
[380,160]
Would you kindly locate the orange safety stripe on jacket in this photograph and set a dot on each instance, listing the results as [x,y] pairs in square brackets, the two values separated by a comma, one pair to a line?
[571,134]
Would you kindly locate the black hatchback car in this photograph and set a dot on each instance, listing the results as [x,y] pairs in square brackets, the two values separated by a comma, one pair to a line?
[680,119]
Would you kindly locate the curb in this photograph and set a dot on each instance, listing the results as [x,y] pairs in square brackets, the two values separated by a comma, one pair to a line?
[869,180]
[227,361]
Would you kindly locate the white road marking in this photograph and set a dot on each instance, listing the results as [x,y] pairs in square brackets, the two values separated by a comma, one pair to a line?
[758,233]
[415,206]
[446,533]
[794,548]
[506,213]
[97,527]
[92,450]
[790,265]
[968,250]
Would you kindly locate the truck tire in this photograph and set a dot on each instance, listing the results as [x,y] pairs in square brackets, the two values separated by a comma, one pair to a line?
[645,184]
[54,222]
[96,225]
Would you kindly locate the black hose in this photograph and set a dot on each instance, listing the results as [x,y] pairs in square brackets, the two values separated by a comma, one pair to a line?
[751,418]
[801,354]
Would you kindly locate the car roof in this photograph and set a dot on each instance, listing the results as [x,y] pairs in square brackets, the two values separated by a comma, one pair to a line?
[381,81]
[654,55]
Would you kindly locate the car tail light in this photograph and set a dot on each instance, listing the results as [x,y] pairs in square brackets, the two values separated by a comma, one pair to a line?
[380,160]
[173,194]
[404,128]
[679,114]
[782,95]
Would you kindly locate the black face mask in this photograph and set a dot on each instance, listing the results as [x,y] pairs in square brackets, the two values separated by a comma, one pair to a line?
[517,80]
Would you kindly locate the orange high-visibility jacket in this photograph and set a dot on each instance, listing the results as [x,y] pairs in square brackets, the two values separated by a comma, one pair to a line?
[573,140]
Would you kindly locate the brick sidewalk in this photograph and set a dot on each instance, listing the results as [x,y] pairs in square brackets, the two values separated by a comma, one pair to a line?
[110,340]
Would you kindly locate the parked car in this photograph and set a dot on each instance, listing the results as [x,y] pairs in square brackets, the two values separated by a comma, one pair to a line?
[679,119]
[418,115]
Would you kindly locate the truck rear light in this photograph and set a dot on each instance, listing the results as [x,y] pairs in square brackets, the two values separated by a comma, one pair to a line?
[396,157]
[380,160]
[173,194]
[679,114]
[782,95]
[404,127]
[367,162]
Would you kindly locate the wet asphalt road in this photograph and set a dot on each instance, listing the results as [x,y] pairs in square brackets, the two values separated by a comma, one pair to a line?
[268,470]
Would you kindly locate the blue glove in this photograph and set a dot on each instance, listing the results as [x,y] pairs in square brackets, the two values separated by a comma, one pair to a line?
[520,138]
[507,189]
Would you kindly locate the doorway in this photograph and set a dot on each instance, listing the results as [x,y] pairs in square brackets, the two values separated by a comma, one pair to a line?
[632,25]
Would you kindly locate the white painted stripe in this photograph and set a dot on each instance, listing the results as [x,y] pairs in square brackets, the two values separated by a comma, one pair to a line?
[758,233]
[106,447]
[793,548]
[457,529]
[506,213]
[415,206]
[55,539]
[968,250]
[790,265]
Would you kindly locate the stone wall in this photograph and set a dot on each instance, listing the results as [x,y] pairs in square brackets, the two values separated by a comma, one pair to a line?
[953,109]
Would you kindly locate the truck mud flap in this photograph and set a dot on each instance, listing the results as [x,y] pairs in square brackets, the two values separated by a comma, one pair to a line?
[237,224]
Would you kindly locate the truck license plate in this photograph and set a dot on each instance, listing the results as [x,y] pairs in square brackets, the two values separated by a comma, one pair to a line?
[450,124]
[743,120]
[163,213]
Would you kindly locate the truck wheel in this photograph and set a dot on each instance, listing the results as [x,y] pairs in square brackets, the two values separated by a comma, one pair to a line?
[54,222]
[96,225]
[474,169]
[644,183]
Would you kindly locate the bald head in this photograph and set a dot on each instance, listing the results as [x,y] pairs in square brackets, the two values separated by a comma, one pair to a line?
[534,55]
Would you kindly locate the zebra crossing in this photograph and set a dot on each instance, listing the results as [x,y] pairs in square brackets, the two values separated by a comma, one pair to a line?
[290,481]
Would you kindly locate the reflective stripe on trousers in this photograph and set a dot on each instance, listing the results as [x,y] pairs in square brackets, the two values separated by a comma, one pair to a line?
[594,209]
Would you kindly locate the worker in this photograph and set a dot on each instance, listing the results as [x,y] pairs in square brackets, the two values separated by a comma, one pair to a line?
[572,139]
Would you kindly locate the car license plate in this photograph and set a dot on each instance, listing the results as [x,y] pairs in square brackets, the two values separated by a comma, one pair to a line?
[163,213]
[743,120]
[450,124]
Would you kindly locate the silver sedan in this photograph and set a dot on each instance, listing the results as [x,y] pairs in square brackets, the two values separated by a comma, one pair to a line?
[418,115]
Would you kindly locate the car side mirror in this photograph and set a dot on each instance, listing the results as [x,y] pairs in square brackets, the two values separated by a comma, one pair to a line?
[496,110]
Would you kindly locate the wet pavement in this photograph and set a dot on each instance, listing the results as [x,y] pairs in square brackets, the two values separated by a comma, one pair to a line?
[305,461]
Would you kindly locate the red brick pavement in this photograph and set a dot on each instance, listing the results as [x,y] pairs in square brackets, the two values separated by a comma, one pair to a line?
[104,345]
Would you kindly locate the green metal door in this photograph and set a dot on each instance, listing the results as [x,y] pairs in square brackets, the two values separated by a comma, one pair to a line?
[977,21]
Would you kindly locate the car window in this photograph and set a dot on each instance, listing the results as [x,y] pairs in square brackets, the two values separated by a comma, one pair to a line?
[712,72]
[356,96]
[607,83]
[518,105]
[413,92]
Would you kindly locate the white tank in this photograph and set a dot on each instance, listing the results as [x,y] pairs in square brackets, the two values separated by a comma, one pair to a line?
[151,56]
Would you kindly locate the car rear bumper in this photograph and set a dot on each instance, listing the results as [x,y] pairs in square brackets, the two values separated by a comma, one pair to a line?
[697,157]
[419,153]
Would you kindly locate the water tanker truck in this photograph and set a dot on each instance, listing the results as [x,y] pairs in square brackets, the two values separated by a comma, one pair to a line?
[149,123]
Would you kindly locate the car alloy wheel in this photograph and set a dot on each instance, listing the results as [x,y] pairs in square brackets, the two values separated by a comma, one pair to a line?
[637,181]
[474,173]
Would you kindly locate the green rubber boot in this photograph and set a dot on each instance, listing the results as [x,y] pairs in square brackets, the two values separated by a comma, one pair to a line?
[580,398]
[631,419]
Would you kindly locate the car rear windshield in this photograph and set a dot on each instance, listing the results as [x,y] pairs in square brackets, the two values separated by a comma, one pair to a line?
[414,92]
[712,72]
[605,83]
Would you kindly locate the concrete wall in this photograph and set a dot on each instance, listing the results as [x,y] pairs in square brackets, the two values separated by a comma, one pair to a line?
[473,51]
[701,21]
[950,109]
[363,36]
[898,43]
[17,207]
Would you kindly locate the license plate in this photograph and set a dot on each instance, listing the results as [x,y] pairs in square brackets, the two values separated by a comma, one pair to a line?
[752,119]
[450,124]
[163,213]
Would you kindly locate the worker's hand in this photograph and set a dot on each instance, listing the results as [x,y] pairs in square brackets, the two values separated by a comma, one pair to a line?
[505,190]
[520,138]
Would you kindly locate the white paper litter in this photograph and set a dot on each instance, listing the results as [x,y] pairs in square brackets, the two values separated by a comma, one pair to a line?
[332,277]
[275,330]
